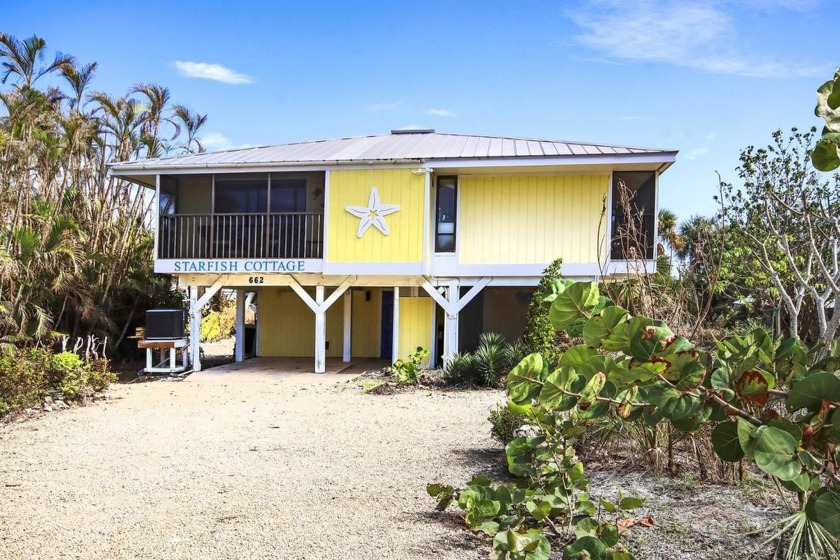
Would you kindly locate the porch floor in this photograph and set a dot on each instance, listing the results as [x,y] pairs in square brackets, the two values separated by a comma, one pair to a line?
[302,369]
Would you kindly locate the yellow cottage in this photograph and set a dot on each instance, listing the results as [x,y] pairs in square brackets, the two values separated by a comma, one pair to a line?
[373,246]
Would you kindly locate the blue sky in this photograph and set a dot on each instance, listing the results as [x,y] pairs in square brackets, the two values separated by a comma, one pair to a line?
[707,78]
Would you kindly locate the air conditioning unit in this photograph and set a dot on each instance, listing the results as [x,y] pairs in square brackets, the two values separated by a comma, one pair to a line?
[165,324]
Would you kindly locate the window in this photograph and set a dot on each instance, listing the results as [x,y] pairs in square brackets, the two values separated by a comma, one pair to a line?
[446,214]
[633,215]
[241,195]
[168,196]
[288,195]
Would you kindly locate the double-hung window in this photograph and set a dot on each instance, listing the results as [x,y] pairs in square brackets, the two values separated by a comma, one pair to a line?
[445,216]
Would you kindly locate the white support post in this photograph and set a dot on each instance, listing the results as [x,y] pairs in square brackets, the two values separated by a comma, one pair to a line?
[240,325]
[319,306]
[348,325]
[195,329]
[450,325]
[320,332]
[395,337]
[433,349]
[452,305]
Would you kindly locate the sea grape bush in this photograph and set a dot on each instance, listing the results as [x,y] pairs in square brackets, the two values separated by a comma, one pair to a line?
[771,401]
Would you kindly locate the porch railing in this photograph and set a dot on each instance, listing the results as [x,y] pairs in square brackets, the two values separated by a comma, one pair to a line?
[288,235]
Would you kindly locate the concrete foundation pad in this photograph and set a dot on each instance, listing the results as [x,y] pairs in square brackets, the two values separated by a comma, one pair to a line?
[295,369]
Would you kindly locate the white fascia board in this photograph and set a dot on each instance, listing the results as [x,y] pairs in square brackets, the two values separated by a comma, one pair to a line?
[662,158]
[260,167]
[609,159]
[451,268]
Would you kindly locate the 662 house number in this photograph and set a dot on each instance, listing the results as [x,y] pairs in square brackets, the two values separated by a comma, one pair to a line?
[256,279]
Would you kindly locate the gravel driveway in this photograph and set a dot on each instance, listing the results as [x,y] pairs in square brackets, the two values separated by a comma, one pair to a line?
[242,469]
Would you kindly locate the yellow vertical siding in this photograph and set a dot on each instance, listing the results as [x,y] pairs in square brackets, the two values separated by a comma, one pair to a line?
[287,325]
[415,325]
[366,333]
[531,219]
[395,186]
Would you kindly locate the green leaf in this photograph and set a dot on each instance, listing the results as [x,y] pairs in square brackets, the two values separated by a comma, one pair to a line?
[827,512]
[726,443]
[628,502]
[775,453]
[826,154]
[647,341]
[559,381]
[720,378]
[479,480]
[532,544]
[592,545]
[609,535]
[539,511]
[577,301]
[791,359]
[609,506]
[577,356]
[827,99]
[787,426]
[619,338]
[489,527]
[524,381]
[591,391]
[810,391]
[694,420]
[746,437]
[586,527]
[601,326]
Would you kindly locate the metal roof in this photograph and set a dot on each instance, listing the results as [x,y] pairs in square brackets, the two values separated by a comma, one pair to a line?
[409,146]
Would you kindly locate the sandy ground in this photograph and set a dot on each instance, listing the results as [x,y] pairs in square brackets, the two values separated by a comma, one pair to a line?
[246,469]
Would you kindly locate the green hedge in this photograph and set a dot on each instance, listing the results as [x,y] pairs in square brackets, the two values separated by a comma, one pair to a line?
[31,374]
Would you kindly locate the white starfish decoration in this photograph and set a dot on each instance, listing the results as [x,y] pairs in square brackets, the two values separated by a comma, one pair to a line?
[373,214]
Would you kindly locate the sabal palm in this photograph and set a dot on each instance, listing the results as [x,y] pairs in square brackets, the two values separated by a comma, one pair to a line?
[668,233]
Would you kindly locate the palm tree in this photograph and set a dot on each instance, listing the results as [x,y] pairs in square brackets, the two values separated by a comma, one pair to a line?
[79,80]
[25,59]
[74,243]
[668,234]
[192,122]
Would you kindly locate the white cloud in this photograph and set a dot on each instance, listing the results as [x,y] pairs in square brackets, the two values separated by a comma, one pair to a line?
[440,113]
[412,127]
[215,141]
[696,153]
[383,107]
[215,72]
[698,35]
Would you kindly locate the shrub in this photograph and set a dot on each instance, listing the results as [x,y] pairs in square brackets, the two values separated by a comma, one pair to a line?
[505,423]
[99,376]
[461,369]
[218,325]
[66,373]
[491,359]
[22,379]
[516,352]
[30,374]
[539,334]
[406,371]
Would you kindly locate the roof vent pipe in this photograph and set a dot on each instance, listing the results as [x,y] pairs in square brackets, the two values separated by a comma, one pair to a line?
[413,131]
